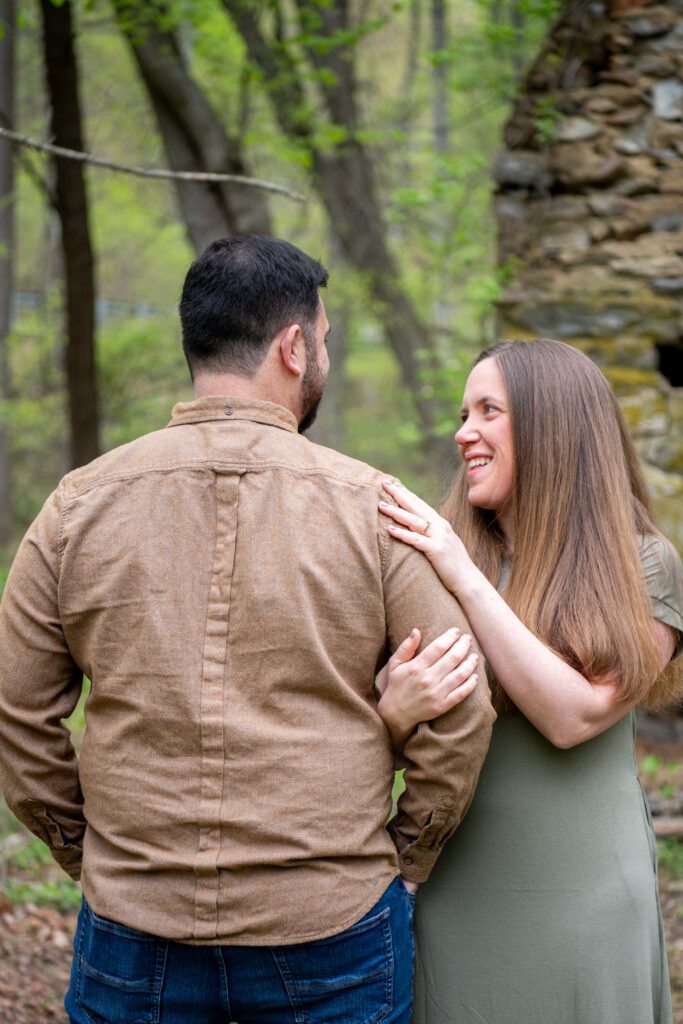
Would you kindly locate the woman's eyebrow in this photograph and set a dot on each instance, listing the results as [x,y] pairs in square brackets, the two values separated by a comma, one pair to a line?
[481,400]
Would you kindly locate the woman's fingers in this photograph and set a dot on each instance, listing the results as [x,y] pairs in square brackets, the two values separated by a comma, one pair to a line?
[417,688]
[406,649]
[417,540]
[409,501]
[447,671]
[449,648]
[459,692]
[409,519]
[444,678]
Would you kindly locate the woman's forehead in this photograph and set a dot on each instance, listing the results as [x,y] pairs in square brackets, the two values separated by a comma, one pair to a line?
[484,381]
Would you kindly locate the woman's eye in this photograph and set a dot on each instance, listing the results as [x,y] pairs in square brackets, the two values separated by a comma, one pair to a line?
[490,408]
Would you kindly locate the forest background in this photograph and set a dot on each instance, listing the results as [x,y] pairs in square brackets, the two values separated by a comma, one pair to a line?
[384,116]
[379,121]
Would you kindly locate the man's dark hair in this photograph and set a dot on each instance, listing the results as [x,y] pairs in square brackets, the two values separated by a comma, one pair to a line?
[239,294]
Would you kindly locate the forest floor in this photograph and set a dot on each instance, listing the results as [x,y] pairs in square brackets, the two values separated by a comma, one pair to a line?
[37,923]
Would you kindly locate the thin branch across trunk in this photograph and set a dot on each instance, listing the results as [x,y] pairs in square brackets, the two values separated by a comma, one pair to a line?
[147,172]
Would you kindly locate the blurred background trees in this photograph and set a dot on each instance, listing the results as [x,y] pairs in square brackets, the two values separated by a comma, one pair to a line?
[385,115]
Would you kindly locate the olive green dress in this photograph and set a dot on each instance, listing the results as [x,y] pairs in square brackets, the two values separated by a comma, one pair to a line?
[543,908]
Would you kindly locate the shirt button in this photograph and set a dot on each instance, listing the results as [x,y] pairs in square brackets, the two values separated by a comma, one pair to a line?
[407,860]
[228,410]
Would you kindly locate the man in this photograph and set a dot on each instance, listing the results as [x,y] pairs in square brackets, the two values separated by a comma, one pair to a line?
[231,590]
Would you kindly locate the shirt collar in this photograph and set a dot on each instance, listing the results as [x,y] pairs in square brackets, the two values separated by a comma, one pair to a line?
[226,407]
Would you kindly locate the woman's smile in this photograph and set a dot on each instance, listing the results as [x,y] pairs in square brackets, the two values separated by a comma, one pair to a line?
[485,439]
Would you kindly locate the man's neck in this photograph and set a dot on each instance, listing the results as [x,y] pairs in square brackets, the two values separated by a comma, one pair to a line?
[254,388]
[209,384]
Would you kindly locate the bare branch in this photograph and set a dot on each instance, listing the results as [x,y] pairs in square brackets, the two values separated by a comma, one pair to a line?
[148,172]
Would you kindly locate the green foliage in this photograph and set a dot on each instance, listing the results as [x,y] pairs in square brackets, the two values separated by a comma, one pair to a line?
[438,206]
[650,764]
[373,380]
[75,723]
[670,856]
[26,17]
[35,411]
[494,43]
[660,776]
[328,136]
[342,38]
[399,786]
[546,117]
[39,880]
[143,375]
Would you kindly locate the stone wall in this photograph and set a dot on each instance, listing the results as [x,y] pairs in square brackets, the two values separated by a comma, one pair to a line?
[590,213]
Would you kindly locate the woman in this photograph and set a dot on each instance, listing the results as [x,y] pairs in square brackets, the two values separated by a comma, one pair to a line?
[543,908]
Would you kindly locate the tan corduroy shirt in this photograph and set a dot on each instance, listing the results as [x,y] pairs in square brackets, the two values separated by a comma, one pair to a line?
[230,589]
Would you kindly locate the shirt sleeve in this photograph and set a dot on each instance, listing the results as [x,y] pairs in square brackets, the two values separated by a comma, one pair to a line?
[445,755]
[40,684]
[663,572]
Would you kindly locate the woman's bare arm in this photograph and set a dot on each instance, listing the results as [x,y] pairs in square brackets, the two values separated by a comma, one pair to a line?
[565,706]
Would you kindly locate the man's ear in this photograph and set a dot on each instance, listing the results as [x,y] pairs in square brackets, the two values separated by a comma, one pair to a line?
[292,349]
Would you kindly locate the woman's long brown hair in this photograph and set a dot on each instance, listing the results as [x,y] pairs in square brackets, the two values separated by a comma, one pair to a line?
[579,504]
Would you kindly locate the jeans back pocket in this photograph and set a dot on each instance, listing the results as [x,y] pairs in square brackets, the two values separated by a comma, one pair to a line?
[120,971]
[346,979]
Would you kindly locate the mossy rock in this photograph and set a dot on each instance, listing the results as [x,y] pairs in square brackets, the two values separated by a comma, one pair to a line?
[603,351]
[664,485]
[507,330]
[670,519]
[667,495]
[629,380]
[664,452]
[676,408]
[646,412]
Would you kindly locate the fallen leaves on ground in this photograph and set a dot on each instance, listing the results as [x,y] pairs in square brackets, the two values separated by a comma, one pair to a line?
[35,961]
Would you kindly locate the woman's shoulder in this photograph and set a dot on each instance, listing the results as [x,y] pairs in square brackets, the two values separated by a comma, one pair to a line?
[663,572]
[660,561]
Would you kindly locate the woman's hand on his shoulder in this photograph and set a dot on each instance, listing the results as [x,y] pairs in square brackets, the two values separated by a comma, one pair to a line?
[418,688]
[418,524]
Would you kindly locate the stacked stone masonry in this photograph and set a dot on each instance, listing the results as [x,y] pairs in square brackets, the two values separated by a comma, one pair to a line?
[589,204]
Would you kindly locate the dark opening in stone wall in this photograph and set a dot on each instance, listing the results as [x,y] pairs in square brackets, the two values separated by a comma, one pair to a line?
[670,362]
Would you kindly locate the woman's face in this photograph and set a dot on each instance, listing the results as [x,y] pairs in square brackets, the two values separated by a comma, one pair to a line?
[485,440]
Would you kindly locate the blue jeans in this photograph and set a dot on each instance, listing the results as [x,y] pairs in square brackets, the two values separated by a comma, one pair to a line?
[361,976]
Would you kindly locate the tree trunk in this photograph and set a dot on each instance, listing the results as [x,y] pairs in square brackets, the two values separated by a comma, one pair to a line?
[72,208]
[7,17]
[193,136]
[413,47]
[439,44]
[345,179]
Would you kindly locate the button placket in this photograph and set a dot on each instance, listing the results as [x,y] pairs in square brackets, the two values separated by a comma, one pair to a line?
[212,707]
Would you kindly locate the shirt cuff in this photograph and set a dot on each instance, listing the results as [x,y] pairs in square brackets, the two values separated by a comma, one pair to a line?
[66,851]
[417,856]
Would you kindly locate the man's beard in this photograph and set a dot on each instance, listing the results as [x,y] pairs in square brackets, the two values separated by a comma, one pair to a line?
[312,387]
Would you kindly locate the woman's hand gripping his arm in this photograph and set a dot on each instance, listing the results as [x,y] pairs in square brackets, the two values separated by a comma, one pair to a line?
[418,687]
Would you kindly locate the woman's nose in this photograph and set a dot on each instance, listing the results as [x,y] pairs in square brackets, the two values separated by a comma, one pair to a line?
[465,432]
